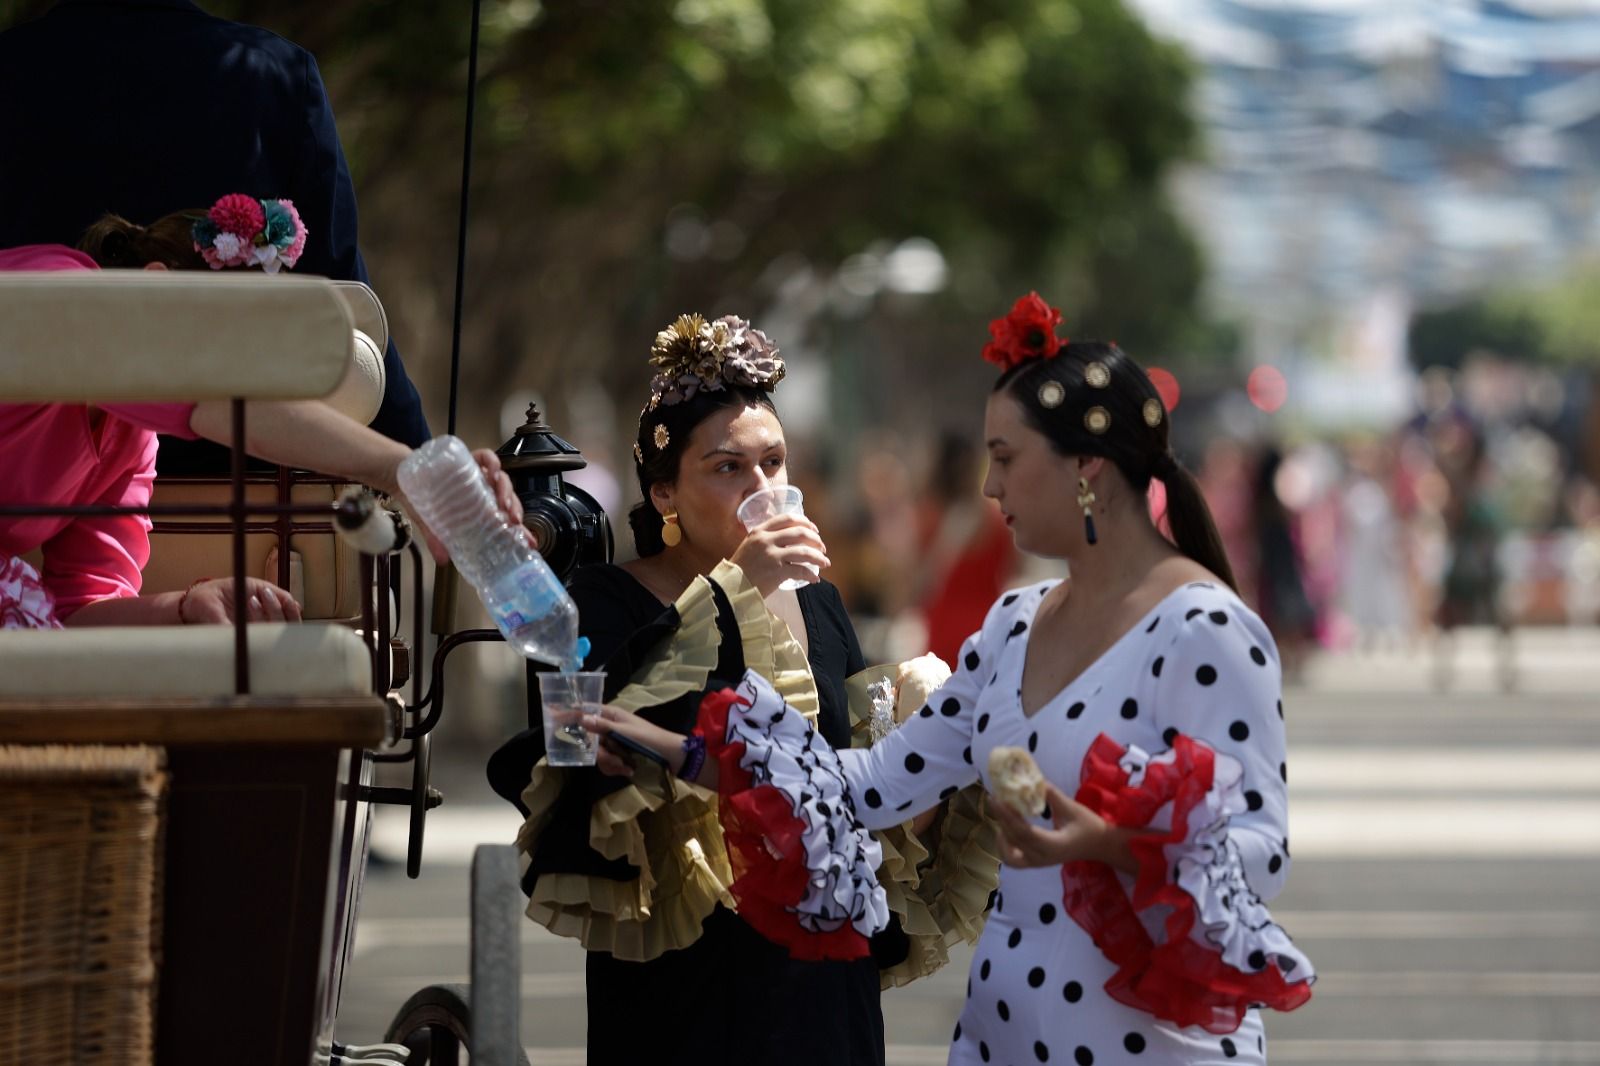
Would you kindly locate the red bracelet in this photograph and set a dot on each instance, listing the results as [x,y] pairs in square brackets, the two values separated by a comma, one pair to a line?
[182,599]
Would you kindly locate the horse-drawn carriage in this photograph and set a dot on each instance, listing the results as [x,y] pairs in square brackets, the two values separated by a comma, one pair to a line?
[184,810]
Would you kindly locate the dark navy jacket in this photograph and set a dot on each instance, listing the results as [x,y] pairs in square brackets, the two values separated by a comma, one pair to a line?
[145,107]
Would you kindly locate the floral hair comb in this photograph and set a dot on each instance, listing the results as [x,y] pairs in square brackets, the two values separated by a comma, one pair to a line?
[241,231]
[694,354]
[1028,332]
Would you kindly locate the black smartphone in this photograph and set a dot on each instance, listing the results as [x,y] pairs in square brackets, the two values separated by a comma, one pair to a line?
[629,744]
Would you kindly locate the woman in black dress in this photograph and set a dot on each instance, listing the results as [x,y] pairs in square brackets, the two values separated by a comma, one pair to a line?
[636,867]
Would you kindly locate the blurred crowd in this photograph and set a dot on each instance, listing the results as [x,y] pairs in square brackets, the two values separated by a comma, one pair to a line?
[1472,512]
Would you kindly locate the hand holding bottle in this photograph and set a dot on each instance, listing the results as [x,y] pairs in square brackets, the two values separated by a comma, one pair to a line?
[455,494]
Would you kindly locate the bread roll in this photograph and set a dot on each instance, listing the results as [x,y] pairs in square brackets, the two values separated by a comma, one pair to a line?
[917,679]
[1014,778]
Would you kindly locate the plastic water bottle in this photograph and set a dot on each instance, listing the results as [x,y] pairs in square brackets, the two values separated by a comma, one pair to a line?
[527,601]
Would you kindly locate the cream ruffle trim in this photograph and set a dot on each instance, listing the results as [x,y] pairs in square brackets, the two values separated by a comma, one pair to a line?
[666,828]
[942,897]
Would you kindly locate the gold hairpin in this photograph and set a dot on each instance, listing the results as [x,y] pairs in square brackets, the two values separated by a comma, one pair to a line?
[638,453]
[1152,413]
[662,437]
[1096,376]
[1051,394]
[1097,420]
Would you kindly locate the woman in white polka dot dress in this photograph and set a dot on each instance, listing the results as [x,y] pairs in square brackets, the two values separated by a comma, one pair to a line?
[1129,926]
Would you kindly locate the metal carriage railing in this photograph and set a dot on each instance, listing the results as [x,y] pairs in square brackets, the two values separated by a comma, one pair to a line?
[265,734]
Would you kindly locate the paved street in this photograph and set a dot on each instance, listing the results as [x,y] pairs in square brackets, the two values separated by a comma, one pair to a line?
[1446,847]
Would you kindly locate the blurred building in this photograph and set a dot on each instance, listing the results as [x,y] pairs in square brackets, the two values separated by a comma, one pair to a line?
[1368,156]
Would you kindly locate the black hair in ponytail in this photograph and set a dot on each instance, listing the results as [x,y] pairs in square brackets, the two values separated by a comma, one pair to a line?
[1119,402]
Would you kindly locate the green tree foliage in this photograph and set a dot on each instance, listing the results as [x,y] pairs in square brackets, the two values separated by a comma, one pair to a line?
[1557,324]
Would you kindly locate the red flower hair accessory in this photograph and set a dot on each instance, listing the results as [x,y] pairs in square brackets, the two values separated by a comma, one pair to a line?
[1028,332]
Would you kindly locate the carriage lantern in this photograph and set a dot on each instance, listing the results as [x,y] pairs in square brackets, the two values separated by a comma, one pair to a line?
[569,527]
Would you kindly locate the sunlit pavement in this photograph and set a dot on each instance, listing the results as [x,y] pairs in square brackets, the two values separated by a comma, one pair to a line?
[1446,849]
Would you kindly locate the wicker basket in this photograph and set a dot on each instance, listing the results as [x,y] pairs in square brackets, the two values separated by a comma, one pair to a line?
[80,908]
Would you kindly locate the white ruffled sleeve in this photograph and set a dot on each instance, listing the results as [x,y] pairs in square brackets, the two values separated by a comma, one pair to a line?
[1192,937]
[1221,684]
[929,757]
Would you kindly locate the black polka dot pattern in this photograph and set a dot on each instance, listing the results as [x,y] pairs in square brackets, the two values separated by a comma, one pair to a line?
[972,662]
[874,798]
[915,763]
[1211,674]
[1011,597]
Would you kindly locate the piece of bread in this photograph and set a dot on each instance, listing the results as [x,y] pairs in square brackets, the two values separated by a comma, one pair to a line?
[916,680]
[1014,778]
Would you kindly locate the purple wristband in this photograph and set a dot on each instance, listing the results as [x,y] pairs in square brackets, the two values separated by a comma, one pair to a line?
[694,756]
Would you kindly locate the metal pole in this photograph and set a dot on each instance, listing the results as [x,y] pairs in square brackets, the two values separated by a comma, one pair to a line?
[241,604]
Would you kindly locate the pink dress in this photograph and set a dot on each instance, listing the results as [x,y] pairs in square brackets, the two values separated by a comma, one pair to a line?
[73,454]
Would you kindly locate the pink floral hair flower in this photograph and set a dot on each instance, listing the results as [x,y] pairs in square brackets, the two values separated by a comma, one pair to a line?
[292,253]
[239,215]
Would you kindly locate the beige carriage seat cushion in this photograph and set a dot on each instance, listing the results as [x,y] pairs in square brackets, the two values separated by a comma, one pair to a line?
[310,659]
[360,391]
[366,310]
[151,335]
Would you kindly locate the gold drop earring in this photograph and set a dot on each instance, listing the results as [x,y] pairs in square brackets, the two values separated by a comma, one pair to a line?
[1086,501]
[671,535]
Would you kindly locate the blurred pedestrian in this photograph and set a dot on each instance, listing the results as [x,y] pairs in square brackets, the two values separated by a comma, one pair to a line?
[968,554]
[1280,575]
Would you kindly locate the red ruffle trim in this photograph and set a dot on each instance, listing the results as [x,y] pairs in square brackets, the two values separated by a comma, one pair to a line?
[766,847]
[1179,980]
